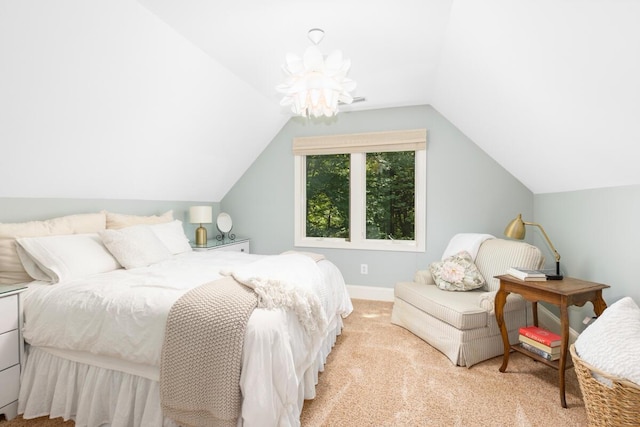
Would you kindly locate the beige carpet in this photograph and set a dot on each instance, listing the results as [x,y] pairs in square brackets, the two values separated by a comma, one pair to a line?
[381,375]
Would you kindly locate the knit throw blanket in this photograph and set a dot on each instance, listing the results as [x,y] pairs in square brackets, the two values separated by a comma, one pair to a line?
[202,354]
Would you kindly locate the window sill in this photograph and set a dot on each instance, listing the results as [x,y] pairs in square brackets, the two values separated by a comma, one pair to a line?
[394,246]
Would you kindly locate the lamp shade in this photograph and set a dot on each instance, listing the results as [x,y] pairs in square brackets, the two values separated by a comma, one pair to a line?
[200,215]
[515,229]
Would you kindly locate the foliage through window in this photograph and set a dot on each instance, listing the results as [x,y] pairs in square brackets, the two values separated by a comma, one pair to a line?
[391,195]
[328,196]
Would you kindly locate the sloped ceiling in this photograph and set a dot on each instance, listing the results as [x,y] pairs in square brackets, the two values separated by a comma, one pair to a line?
[174,99]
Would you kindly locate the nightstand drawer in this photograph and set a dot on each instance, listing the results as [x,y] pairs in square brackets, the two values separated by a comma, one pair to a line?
[10,380]
[9,349]
[8,313]
[238,247]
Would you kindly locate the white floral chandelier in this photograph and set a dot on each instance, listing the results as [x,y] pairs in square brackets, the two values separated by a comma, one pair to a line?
[315,85]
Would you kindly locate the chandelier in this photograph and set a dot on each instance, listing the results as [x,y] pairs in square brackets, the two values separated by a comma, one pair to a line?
[315,84]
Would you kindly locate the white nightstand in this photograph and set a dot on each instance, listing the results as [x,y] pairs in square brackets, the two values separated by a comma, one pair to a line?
[240,244]
[11,349]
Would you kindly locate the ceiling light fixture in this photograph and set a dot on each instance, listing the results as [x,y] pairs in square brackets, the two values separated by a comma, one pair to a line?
[316,84]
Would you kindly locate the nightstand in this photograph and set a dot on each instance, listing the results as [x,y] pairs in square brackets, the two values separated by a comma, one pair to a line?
[239,244]
[11,349]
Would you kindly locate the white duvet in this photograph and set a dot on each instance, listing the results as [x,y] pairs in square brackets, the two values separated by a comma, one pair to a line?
[122,315]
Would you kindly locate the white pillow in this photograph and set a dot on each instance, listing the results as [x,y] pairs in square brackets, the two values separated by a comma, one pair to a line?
[612,342]
[135,246]
[118,221]
[171,234]
[66,257]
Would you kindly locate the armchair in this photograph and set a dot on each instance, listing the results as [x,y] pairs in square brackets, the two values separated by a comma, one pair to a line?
[462,325]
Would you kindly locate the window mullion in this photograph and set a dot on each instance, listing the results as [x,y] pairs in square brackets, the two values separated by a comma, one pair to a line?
[358,197]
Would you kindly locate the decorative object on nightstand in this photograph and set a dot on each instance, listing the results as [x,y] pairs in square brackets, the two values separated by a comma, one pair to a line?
[516,230]
[201,215]
[224,225]
[11,349]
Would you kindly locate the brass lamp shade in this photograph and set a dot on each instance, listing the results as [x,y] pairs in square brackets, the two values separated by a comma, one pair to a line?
[516,230]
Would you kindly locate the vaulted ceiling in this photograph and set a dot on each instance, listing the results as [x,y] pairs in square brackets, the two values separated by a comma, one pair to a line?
[548,88]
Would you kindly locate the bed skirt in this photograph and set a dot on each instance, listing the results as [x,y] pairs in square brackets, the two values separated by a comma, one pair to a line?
[91,395]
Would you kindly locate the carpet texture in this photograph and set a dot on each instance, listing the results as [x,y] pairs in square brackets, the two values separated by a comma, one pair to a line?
[379,374]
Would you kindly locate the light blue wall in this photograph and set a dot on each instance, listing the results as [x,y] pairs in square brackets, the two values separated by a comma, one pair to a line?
[27,209]
[597,236]
[467,191]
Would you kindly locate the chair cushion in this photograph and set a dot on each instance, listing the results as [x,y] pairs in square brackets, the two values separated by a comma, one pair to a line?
[459,309]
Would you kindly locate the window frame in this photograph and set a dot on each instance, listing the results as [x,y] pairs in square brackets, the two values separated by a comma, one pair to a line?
[357,145]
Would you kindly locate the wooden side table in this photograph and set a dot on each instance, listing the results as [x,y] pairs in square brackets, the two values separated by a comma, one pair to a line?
[562,293]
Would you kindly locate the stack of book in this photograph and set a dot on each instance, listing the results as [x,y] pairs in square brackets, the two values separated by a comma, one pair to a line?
[544,343]
[526,275]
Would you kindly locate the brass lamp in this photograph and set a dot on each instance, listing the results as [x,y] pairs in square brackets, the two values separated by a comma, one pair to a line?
[516,230]
[201,215]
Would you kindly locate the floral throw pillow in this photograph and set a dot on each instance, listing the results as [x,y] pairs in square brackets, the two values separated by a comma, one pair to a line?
[457,273]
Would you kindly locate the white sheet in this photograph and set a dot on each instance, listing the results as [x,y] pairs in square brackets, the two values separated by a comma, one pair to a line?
[122,315]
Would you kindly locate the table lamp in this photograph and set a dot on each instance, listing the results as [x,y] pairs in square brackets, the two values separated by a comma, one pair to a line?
[516,230]
[201,215]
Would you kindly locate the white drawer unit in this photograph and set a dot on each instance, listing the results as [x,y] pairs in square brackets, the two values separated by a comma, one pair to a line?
[10,349]
[239,247]
[240,244]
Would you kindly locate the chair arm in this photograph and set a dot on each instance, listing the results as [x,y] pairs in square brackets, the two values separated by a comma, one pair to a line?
[424,277]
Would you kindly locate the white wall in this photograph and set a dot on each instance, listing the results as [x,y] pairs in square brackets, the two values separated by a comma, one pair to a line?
[101,99]
[596,234]
[467,191]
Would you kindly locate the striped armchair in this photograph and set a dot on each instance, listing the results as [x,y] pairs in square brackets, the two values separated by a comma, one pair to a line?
[462,325]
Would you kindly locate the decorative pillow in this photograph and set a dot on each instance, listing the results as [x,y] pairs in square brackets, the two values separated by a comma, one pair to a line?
[117,221]
[135,246]
[11,269]
[457,273]
[612,342]
[66,257]
[171,234]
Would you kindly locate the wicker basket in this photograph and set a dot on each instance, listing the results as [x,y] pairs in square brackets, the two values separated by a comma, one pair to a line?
[618,405]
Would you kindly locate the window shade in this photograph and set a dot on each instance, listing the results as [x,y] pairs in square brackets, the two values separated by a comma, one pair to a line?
[373,142]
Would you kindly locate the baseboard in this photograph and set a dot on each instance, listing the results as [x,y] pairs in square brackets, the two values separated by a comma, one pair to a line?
[370,292]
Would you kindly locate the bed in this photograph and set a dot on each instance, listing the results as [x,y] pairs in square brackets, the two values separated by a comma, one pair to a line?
[96,334]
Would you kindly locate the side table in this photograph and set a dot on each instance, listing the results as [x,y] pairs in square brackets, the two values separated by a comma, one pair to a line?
[562,293]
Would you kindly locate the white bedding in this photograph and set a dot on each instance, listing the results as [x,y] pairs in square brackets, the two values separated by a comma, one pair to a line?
[120,316]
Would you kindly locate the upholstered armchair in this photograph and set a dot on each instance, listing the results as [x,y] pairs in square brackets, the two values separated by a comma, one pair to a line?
[462,324]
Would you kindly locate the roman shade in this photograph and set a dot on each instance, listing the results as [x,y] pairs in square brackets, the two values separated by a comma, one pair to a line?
[372,142]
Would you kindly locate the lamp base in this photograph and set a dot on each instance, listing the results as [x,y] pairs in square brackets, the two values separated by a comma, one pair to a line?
[201,236]
[554,276]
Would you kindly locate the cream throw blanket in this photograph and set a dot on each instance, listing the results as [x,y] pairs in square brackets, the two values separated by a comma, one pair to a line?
[202,354]
[291,280]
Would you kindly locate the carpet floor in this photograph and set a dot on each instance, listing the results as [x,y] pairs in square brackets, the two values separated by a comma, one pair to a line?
[379,374]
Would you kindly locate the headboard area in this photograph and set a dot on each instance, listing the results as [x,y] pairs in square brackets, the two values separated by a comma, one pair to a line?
[47,217]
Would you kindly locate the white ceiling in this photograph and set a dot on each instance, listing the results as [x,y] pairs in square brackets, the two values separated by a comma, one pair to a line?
[174,99]
[393,46]
[549,88]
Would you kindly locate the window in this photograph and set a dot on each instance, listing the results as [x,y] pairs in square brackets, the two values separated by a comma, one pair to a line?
[361,191]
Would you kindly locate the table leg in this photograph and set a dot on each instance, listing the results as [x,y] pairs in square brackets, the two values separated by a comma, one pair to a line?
[534,310]
[501,299]
[598,304]
[564,325]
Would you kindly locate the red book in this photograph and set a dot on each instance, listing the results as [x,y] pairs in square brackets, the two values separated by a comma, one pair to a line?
[543,336]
